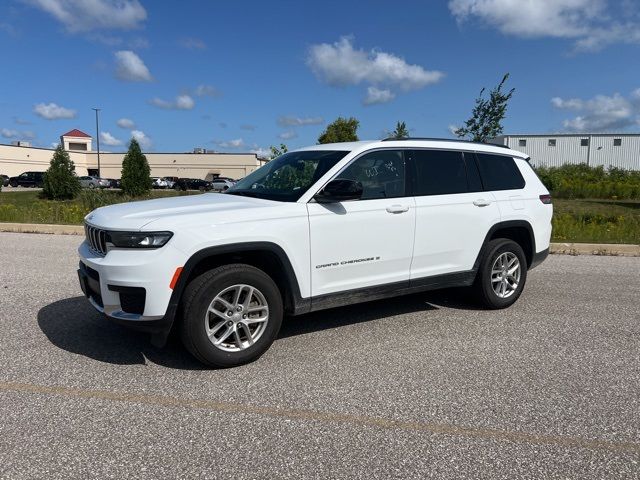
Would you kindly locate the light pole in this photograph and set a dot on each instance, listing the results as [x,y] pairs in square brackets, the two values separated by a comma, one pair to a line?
[97,138]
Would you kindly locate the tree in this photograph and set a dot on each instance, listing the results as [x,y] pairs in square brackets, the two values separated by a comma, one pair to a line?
[60,181]
[277,151]
[487,115]
[341,130]
[400,131]
[136,179]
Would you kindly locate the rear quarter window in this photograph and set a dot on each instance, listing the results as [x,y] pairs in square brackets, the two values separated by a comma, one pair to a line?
[499,172]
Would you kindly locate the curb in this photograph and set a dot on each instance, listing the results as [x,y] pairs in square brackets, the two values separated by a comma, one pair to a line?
[42,228]
[611,249]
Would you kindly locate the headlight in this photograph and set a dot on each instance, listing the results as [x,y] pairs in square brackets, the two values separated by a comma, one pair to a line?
[139,239]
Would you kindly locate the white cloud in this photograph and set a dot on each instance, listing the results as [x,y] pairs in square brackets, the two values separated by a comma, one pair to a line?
[108,139]
[207,91]
[376,95]
[235,143]
[131,68]
[600,113]
[52,111]
[260,152]
[292,121]
[21,121]
[453,129]
[589,23]
[288,135]
[181,102]
[340,64]
[7,133]
[193,43]
[144,141]
[87,16]
[126,123]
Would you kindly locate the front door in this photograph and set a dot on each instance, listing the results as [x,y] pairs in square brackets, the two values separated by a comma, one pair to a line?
[366,242]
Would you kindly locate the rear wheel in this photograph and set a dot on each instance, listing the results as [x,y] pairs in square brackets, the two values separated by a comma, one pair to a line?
[231,315]
[502,274]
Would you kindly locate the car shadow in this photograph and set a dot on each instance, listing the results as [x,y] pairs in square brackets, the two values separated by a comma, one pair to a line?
[74,326]
[456,298]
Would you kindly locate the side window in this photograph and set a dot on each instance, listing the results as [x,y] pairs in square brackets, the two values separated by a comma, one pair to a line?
[439,172]
[499,172]
[473,174]
[381,173]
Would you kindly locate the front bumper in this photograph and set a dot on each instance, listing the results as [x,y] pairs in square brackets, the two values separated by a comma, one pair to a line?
[131,287]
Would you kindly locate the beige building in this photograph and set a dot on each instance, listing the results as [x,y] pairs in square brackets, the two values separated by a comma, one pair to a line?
[15,159]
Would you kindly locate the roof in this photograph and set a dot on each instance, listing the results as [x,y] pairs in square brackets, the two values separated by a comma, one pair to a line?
[76,133]
[577,135]
[444,144]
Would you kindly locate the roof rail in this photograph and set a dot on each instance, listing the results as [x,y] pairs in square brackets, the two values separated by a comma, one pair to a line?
[391,139]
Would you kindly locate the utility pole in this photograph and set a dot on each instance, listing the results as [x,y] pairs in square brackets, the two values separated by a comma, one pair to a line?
[97,138]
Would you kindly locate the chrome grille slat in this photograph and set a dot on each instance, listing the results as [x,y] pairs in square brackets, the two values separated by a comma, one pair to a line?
[96,238]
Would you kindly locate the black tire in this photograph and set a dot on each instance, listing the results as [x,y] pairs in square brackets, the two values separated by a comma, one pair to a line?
[482,286]
[13,184]
[199,294]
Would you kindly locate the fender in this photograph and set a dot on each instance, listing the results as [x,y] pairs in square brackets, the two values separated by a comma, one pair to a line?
[507,224]
[295,305]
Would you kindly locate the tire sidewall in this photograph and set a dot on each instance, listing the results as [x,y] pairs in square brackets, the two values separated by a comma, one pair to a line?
[494,252]
[195,314]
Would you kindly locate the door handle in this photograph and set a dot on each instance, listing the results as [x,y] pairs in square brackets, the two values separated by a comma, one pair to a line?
[398,208]
[481,202]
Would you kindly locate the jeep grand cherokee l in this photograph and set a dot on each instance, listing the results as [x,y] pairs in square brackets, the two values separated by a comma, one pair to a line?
[319,227]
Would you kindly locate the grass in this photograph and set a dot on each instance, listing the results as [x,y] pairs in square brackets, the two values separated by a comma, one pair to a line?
[596,221]
[590,221]
[27,207]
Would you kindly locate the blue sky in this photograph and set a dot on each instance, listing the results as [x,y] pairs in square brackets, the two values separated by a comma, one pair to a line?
[243,75]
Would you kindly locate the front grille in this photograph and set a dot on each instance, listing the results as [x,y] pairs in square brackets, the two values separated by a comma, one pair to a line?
[96,238]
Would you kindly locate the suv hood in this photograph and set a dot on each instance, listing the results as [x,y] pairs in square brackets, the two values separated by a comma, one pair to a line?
[135,215]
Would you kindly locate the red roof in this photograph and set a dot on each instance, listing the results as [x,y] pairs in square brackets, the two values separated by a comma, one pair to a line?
[76,133]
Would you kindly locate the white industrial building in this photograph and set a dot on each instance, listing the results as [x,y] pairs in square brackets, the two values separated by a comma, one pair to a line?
[620,150]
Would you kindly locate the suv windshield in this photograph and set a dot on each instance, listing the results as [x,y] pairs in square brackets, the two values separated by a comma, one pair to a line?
[287,177]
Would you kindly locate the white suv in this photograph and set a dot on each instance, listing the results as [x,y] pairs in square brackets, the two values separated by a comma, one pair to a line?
[319,227]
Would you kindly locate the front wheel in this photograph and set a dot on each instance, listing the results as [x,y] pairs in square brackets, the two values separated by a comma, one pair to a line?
[231,315]
[502,274]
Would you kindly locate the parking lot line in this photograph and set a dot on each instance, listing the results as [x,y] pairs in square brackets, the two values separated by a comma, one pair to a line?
[310,415]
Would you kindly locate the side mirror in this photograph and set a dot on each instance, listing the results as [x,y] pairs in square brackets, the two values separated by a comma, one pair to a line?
[339,190]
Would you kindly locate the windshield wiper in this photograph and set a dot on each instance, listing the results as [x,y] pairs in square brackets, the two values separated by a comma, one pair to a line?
[244,193]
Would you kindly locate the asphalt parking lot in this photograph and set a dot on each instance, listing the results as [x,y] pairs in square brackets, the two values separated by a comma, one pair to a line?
[415,387]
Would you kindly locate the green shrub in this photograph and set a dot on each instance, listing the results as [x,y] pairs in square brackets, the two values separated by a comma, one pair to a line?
[582,181]
[60,181]
[136,174]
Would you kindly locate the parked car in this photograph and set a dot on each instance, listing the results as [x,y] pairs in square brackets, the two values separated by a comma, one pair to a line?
[158,182]
[192,184]
[28,179]
[5,180]
[113,182]
[168,181]
[316,228]
[94,182]
[221,184]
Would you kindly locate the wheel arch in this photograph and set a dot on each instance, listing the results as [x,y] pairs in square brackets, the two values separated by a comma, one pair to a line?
[520,231]
[267,256]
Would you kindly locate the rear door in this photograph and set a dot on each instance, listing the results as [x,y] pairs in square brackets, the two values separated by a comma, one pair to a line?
[453,213]
[502,177]
[366,242]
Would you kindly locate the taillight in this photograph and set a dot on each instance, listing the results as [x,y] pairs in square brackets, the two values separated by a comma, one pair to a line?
[546,199]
